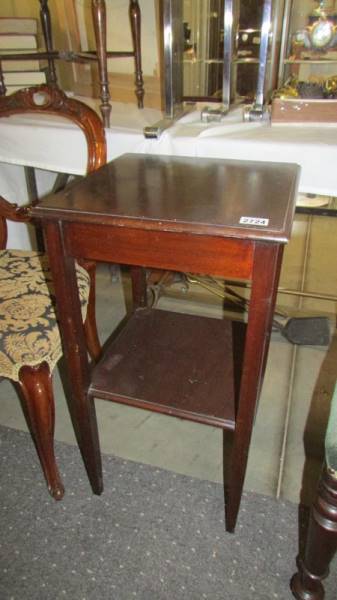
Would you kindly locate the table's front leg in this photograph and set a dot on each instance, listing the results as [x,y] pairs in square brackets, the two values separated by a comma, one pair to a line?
[82,409]
[266,271]
[139,287]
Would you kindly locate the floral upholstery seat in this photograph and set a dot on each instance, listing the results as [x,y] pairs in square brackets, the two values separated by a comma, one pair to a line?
[29,333]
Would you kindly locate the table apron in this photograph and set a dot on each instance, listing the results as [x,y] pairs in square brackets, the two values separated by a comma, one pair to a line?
[160,249]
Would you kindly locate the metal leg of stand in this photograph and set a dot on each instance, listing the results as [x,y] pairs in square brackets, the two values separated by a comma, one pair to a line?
[257,110]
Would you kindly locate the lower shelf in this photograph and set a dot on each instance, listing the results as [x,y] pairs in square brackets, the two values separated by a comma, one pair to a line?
[173,363]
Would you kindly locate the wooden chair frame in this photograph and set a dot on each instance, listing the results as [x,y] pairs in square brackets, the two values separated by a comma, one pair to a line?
[35,383]
[321,543]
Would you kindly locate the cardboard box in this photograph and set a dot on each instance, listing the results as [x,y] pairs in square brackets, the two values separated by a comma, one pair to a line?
[303,111]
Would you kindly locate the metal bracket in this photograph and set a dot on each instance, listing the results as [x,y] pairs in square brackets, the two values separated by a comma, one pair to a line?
[209,114]
[154,131]
[251,112]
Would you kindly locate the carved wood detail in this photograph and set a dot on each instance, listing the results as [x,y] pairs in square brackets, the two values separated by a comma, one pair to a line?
[13,212]
[52,100]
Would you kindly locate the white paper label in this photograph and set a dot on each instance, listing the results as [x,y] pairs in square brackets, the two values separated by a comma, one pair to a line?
[254,221]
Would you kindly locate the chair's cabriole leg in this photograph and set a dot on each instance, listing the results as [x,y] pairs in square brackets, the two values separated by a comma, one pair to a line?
[321,543]
[36,392]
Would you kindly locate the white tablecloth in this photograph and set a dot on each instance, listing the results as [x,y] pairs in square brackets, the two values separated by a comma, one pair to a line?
[23,142]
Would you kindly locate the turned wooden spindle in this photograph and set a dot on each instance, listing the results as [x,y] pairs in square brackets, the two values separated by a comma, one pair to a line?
[321,543]
[99,20]
[135,21]
[48,39]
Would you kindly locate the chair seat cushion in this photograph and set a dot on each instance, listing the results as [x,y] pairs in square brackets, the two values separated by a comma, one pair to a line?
[29,333]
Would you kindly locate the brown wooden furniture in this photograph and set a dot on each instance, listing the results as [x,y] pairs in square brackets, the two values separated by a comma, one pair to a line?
[180,214]
[24,283]
[321,543]
[101,54]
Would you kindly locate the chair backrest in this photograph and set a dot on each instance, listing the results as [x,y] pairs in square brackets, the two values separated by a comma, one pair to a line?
[51,100]
[46,99]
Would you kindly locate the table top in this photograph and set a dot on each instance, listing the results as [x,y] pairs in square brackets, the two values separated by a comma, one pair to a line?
[227,198]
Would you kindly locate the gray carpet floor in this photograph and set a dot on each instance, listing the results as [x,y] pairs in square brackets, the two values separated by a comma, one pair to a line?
[152,535]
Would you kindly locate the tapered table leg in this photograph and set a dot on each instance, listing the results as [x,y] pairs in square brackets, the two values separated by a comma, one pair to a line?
[48,39]
[135,21]
[99,20]
[266,270]
[82,409]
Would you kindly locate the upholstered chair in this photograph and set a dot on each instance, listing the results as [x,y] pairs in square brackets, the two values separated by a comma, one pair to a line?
[321,542]
[30,344]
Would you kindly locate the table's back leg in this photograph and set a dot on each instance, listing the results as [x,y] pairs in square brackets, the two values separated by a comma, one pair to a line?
[48,39]
[266,269]
[135,21]
[139,287]
[81,407]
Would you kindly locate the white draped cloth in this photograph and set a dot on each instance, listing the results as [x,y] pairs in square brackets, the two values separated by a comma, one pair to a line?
[54,145]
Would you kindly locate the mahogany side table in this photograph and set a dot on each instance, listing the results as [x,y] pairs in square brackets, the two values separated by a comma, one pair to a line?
[220,217]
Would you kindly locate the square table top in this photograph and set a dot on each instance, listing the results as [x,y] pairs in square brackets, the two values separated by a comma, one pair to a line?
[226,198]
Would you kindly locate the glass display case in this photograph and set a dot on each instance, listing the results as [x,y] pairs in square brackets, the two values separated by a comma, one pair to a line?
[309,41]
[216,31]
[243,51]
